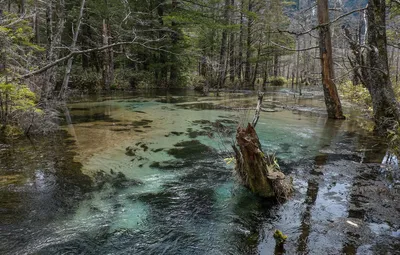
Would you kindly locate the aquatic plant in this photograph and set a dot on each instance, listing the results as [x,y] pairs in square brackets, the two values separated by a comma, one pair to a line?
[279,237]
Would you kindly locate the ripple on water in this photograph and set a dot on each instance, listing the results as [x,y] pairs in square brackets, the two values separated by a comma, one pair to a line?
[187,201]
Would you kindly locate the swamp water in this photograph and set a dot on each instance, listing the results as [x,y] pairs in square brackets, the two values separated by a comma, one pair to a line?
[145,174]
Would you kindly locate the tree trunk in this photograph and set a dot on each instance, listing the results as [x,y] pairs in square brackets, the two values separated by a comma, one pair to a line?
[222,55]
[247,72]
[240,57]
[36,24]
[68,68]
[252,167]
[255,74]
[376,70]
[397,68]
[22,7]
[332,101]
[276,65]
[257,171]
[265,78]
[54,33]
[297,61]
[232,46]
[108,58]
[175,37]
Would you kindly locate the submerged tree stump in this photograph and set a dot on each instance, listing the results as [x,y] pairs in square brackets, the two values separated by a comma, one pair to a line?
[255,170]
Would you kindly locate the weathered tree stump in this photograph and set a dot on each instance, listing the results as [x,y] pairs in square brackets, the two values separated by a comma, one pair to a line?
[255,170]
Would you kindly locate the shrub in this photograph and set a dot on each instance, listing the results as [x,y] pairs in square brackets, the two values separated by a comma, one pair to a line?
[357,94]
[19,111]
[394,140]
[277,81]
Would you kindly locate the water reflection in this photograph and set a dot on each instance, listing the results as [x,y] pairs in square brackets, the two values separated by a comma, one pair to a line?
[158,184]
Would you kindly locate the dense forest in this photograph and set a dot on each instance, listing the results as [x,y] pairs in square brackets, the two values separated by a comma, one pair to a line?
[51,48]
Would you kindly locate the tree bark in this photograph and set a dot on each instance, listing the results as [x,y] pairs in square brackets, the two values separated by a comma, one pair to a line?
[54,32]
[240,57]
[222,55]
[376,71]
[68,68]
[108,59]
[232,46]
[332,100]
[276,64]
[247,72]
[257,171]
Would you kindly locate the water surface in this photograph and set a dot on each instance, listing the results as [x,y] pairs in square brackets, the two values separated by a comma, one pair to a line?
[144,173]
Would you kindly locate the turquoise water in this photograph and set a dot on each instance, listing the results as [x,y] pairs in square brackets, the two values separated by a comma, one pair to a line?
[144,174]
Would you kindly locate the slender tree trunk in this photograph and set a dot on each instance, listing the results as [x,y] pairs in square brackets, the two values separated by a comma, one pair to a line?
[222,55]
[397,68]
[276,64]
[163,74]
[22,7]
[240,57]
[247,72]
[297,61]
[332,101]
[68,68]
[265,78]
[175,37]
[36,28]
[108,57]
[54,32]
[253,82]
[232,46]
[86,35]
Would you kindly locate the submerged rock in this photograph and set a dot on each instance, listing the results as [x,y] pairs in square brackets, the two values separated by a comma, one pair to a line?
[189,149]
[116,180]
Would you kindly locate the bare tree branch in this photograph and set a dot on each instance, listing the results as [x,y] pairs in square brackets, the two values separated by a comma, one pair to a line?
[289,49]
[325,24]
[73,53]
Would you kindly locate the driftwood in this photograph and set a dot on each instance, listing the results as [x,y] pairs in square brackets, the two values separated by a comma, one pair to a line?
[257,171]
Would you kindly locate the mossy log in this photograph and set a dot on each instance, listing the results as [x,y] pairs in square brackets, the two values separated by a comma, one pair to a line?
[258,172]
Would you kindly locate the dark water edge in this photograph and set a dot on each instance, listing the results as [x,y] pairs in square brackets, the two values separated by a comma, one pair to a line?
[346,201]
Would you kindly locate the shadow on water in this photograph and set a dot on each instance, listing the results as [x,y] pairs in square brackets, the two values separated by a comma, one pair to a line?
[40,182]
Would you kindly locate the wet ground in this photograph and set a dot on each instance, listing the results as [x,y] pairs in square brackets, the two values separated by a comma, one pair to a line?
[144,174]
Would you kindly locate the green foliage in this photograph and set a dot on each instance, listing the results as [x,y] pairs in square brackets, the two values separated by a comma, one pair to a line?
[11,131]
[18,97]
[18,32]
[17,100]
[394,139]
[279,237]
[357,94]
[85,80]
[230,160]
[277,81]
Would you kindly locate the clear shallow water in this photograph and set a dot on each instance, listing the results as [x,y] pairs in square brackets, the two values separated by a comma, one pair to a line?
[144,174]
